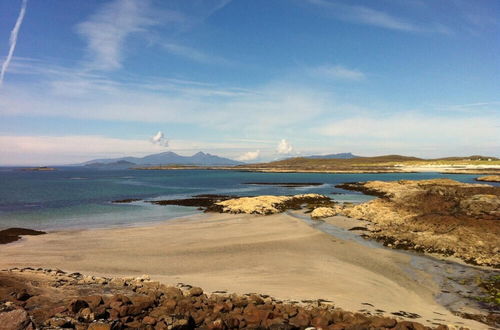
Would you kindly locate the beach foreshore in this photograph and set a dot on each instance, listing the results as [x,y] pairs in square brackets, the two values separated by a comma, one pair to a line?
[278,255]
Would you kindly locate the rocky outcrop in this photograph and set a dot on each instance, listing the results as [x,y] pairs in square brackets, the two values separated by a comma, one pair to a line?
[61,300]
[325,212]
[489,178]
[13,234]
[265,205]
[440,215]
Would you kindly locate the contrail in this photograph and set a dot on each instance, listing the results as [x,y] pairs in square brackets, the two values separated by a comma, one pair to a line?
[13,40]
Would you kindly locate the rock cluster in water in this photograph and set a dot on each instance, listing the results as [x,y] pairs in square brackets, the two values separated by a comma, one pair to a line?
[265,205]
[53,299]
[489,178]
[440,216]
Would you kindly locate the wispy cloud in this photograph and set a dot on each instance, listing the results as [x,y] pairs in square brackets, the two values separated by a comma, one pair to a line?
[193,54]
[338,72]
[369,16]
[107,30]
[13,40]
[417,128]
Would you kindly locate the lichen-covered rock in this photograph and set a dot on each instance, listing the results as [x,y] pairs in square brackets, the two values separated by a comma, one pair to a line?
[324,212]
[478,205]
[440,216]
[489,178]
[265,205]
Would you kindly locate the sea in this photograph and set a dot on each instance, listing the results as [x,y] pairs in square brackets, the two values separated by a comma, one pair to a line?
[80,198]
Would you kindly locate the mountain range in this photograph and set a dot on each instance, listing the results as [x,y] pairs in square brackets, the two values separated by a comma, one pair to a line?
[164,158]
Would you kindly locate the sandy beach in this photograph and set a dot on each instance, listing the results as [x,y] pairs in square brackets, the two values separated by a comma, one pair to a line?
[277,255]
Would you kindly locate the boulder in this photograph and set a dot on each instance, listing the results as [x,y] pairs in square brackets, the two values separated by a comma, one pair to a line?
[323,212]
[16,319]
[195,291]
[99,326]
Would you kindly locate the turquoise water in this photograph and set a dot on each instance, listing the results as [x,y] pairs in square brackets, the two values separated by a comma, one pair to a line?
[81,198]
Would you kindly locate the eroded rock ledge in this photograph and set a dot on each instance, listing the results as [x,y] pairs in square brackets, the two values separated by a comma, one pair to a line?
[489,178]
[265,205]
[440,216]
[52,299]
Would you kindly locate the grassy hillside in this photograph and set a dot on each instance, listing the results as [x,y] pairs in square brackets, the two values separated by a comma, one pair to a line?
[379,162]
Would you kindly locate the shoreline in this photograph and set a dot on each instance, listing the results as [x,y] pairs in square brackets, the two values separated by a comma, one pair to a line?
[273,259]
[397,168]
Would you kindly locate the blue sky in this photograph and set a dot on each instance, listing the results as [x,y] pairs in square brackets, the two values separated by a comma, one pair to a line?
[251,80]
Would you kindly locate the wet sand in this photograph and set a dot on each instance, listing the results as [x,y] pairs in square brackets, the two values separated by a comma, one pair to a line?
[277,255]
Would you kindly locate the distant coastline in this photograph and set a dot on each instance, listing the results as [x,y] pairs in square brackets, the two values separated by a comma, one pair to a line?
[381,164]
[36,169]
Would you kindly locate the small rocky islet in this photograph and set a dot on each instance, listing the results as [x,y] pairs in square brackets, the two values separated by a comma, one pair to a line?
[53,299]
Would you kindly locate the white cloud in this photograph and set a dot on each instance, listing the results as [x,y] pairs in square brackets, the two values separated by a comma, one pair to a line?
[224,108]
[338,72]
[416,134]
[249,156]
[107,30]
[284,147]
[369,16]
[13,40]
[160,139]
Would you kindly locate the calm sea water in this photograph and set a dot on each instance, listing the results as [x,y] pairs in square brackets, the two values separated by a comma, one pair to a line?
[82,198]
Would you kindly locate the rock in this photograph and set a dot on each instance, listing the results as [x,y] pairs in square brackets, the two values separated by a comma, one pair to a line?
[99,326]
[119,282]
[439,215]
[481,204]
[148,320]
[382,322]
[324,212]
[172,292]
[256,299]
[195,291]
[23,295]
[489,178]
[302,319]
[17,319]
[265,205]
[319,322]
[76,305]
[165,308]
[183,324]
[60,322]
[140,303]
[93,301]
[86,314]
[407,325]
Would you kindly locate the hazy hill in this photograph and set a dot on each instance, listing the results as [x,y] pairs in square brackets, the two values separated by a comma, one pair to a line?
[343,155]
[120,164]
[167,158]
[303,163]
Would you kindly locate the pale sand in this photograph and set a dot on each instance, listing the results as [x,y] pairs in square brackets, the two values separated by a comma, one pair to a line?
[277,255]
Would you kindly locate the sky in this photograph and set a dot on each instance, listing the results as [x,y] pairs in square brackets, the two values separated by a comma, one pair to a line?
[250,80]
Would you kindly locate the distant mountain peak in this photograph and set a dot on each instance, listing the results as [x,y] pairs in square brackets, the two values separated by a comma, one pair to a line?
[169,158]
